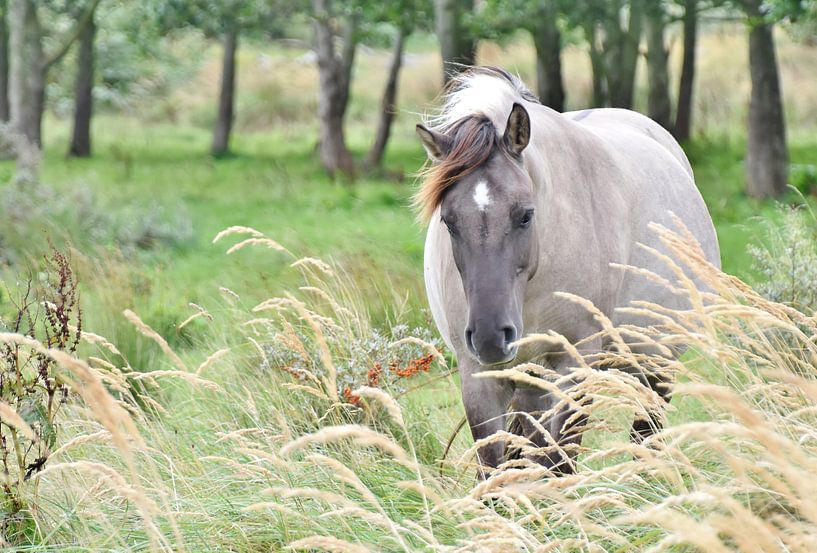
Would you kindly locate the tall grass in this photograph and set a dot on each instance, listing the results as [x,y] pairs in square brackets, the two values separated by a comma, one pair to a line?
[256,446]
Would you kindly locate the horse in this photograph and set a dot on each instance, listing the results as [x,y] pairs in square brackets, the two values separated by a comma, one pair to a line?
[523,202]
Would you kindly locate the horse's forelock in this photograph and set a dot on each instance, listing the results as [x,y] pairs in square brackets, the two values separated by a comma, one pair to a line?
[474,140]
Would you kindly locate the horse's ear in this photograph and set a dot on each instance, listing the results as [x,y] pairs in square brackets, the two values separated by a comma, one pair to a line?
[436,144]
[517,131]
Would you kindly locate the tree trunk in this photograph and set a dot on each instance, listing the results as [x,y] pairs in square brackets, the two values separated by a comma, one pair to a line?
[83,94]
[611,45]
[26,71]
[658,101]
[629,56]
[457,46]
[335,76]
[622,52]
[548,42]
[5,110]
[767,158]
[683,114]
[224,120]
[600,98]
[388,106]
[28,66]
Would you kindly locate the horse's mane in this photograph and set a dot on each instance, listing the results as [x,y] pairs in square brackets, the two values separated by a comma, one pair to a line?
[474,112]
[474,140]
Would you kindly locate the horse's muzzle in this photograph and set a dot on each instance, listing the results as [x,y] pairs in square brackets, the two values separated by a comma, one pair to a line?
[492,347]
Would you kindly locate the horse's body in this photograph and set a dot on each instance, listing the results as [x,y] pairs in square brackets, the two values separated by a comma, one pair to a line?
[599,178]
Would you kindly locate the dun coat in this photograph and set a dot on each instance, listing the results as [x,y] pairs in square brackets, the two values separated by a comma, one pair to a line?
[524,202]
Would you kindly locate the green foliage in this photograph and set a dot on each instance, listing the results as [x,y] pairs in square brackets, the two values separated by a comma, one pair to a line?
[376,20]
[32,214]
[500,19]
[58,15]
[792,11]
[214,17]
[800,16]
[787,260]
[408,15]
[804,178]
[135,62]
[803,26]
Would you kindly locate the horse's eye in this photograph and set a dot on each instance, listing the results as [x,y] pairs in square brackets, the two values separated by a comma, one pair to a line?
[450,225]
[526,219]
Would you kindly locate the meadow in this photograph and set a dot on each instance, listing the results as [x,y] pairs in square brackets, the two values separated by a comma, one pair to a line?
[261,421]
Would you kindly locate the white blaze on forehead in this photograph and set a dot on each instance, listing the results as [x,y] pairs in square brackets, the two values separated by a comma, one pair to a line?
[481,196]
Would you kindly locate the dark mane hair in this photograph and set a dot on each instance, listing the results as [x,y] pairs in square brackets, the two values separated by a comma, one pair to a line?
[474,140]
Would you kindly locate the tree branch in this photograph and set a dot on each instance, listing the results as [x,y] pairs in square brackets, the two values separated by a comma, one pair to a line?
[82,22]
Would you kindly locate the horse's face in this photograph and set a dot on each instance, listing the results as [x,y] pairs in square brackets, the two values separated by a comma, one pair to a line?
[490,218]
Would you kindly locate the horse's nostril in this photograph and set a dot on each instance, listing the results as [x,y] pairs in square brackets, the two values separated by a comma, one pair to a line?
[469,343]
[510,334]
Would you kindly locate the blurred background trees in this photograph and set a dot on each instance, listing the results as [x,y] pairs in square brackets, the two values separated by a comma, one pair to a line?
[615,34]
[4,63]
[767,156]
[339,28]
[30,61]
[225,21]
[458,44]
[546,22]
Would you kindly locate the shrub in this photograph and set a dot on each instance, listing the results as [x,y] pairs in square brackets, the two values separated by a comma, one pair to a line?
[322,336]
[146,227]
[804,178]
[786,259]
[78,216]
[47,310]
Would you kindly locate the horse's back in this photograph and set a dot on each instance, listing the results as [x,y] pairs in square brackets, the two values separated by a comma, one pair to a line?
[658,177]
[621,119]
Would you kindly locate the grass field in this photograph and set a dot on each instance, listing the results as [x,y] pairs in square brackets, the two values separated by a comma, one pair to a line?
[202,467]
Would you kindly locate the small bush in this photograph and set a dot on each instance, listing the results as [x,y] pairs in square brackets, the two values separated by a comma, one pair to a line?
[379,359]
[329,317]
[148,227]
[80,217]
[31,393]
[787,260]
[804,178]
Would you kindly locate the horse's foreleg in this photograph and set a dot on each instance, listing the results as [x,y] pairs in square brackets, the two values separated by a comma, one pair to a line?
[529,406]
[644,428]
[566,427]
[660,382]
[552,425]
[486,404]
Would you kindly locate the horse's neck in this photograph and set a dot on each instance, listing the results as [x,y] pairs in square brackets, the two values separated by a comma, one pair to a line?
[548,134]
[556,163]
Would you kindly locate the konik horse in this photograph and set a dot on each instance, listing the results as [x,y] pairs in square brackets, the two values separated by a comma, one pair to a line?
[523,202]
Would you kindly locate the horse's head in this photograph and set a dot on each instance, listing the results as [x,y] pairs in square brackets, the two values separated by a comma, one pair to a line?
[486,200]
